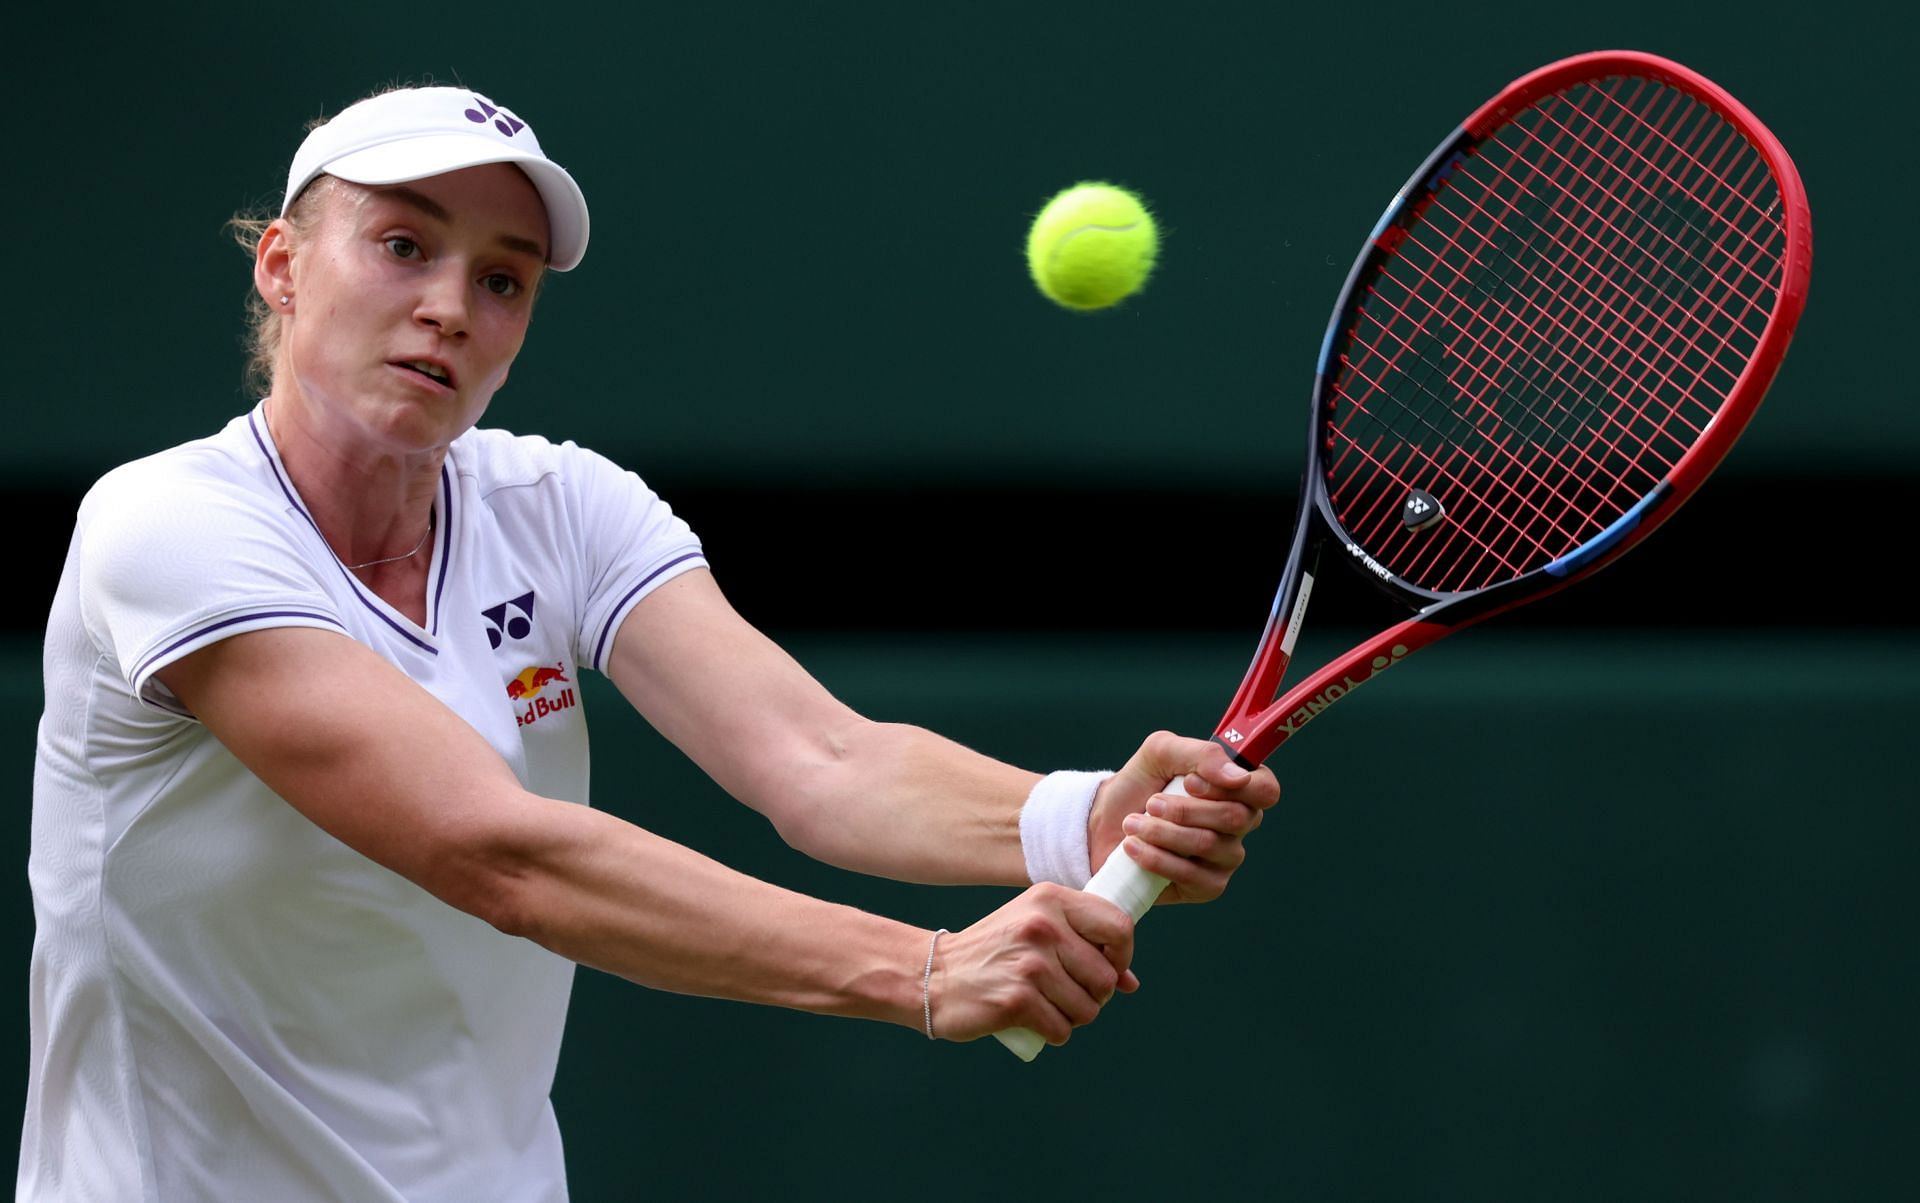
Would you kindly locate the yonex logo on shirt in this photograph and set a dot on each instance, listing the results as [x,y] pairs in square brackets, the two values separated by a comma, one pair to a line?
[509,620]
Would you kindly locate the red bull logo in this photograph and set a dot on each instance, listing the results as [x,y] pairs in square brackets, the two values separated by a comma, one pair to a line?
[530,687]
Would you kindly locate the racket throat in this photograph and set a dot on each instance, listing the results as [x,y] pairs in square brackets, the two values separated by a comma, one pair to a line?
[1312,696]
[1269,668]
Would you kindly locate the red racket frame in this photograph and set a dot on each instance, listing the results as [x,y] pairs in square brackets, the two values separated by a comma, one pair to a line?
[1256,723]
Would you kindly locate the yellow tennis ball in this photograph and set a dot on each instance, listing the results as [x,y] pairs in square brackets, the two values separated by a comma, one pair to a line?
[1093,245]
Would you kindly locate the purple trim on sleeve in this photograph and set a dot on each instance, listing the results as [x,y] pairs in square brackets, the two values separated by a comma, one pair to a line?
[293,499]
[606,632]
[141,669]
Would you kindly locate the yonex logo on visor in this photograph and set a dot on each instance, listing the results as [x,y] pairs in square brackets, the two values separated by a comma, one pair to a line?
[503,121]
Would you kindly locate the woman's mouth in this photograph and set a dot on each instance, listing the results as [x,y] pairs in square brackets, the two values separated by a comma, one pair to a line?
[432,371]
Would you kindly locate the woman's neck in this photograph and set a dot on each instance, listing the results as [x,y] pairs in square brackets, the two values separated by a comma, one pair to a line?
[373,506]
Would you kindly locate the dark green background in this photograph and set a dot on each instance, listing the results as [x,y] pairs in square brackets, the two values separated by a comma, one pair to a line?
[807,252]
[1613,901]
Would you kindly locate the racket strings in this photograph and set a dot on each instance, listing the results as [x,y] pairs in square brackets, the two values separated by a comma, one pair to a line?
[1593,302]
[1451,466]
[1515,259]
[1706,175]
[1554,329]
[1643,267]
[1551,427]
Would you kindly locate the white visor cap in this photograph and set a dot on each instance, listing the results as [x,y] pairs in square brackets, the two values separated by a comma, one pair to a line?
[397,137]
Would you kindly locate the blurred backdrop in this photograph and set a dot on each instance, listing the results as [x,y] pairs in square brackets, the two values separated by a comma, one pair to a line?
[1609,900]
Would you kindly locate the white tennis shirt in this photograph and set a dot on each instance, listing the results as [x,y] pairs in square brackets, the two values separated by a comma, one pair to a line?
[226,1002]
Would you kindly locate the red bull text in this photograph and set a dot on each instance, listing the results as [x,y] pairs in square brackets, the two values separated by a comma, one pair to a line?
[530,687]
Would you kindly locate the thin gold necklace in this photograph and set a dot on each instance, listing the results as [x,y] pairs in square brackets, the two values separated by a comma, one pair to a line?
[395,559]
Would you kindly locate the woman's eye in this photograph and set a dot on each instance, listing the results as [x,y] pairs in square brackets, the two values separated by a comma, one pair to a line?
[403,248]
[503,286]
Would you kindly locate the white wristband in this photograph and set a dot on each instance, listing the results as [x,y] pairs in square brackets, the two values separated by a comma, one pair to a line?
[1053,827]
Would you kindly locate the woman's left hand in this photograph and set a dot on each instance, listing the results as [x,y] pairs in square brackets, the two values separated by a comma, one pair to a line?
[1195,842]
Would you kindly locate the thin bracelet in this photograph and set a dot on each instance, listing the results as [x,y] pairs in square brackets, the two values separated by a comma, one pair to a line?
[926,983]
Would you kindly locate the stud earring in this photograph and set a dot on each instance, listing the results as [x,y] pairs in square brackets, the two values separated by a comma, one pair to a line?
[286,300]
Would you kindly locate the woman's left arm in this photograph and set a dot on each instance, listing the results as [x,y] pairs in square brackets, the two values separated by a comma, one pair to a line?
[890,799]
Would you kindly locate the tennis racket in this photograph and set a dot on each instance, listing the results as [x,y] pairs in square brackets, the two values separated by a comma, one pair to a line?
[1552,336]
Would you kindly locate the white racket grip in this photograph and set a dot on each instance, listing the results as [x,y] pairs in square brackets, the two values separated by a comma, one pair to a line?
[1122,882]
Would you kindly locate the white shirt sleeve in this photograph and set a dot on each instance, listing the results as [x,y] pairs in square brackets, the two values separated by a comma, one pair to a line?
[171,562]
[631,543]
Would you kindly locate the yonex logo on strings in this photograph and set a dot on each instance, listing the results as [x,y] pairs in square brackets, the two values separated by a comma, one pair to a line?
[502,120]
[1420,511]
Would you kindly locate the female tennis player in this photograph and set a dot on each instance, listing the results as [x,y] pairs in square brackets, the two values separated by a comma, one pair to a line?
[311,859]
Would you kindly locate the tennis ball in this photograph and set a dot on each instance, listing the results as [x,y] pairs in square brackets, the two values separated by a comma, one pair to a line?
[1093,245]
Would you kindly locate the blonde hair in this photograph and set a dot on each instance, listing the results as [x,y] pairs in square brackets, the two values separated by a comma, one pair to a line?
[248,227]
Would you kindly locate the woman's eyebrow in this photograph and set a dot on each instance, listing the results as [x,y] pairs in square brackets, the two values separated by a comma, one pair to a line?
[434,209]
[419,200]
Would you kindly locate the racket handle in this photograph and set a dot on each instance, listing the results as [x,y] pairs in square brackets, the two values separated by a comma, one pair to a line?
[1126,885]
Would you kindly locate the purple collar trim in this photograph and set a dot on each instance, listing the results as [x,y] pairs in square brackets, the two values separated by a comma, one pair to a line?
[443,538]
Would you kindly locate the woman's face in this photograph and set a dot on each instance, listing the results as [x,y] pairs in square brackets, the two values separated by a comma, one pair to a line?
[409,303]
